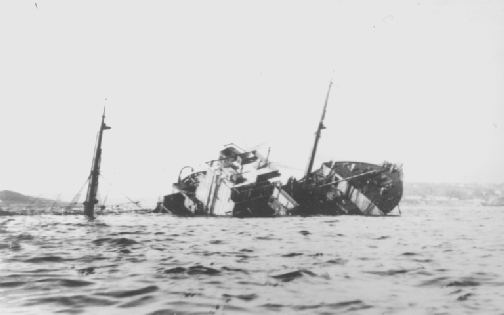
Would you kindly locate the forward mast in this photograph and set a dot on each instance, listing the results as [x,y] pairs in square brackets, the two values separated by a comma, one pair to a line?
[318,133]
[92,191]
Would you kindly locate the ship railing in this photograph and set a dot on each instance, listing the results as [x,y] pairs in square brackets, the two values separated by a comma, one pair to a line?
[374,172]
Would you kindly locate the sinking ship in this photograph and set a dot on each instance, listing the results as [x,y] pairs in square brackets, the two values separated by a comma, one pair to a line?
[243,183]
[346,187]
[239,183]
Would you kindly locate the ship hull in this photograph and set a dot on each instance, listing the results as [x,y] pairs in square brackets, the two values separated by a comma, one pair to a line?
[243,184]
[348,188]
[239,183]
[267,200]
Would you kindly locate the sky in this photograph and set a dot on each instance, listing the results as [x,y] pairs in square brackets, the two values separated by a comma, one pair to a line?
[414,82]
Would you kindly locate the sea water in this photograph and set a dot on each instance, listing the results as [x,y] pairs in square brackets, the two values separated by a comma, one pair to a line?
[430,260]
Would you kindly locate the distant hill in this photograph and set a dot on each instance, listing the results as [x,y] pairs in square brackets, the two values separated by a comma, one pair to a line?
[448,192]
[9,198]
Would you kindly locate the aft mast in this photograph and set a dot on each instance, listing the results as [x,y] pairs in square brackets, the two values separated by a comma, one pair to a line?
[91,200]
[318,133]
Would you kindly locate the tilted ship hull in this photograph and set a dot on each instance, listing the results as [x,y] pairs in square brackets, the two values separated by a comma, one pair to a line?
[345,187]
[336,188]
[243,184]
[348,188]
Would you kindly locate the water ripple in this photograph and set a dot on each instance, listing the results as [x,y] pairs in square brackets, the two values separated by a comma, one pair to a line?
[427,261]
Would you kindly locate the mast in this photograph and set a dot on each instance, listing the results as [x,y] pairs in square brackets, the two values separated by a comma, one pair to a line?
[95,172]
[318,133]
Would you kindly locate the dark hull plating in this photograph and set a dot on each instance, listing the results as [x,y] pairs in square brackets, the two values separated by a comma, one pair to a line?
[348,188]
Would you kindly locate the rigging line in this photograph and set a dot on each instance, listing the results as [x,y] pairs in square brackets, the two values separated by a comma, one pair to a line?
[122,193]
[57,201]
[79,192]
[280,165]
[375,172]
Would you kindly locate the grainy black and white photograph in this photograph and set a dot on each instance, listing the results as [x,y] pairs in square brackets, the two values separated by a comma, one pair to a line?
[251,157]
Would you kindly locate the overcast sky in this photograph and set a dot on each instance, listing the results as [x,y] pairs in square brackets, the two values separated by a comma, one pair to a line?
[415,82]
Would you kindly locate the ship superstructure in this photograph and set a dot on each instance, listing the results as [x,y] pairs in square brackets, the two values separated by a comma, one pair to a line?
[239,183]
